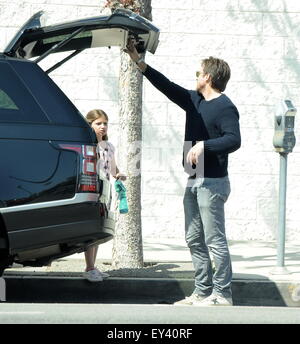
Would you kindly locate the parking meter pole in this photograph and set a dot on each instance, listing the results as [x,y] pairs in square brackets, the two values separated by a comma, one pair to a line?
[284,141]
[280,269]
[282,210]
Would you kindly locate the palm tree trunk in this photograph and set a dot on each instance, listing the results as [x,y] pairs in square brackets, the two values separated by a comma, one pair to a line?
[128,244]
[128,248]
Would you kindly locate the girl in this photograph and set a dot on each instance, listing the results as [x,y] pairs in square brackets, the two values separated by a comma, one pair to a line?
[98,120]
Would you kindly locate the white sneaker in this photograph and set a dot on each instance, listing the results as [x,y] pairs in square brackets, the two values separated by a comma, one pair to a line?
[103,274]
[190,300]
[214,300]
[93,275]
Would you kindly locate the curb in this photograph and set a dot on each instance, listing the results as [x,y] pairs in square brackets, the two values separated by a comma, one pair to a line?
[53,289]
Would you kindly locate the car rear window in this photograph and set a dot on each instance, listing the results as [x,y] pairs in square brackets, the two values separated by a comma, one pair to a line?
[16,102]
[80,38]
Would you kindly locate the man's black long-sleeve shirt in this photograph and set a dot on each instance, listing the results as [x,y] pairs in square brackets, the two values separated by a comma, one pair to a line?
[216,122]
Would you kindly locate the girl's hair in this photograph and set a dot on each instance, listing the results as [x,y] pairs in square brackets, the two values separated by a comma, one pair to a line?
[95,114]
[219,71]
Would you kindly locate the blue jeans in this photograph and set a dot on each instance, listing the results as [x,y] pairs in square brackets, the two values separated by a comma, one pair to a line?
[205,231]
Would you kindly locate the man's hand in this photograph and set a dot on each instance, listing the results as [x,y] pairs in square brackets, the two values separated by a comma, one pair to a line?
[194,153]
[131,50]
[134,55]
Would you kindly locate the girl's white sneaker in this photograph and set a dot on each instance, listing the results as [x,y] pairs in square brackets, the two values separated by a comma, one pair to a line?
[93,275]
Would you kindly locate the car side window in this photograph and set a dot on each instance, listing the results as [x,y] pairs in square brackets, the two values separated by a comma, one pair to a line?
[6,102]
[51,99]
[16,101]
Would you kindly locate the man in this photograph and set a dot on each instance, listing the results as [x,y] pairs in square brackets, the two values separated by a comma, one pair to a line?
[211,133]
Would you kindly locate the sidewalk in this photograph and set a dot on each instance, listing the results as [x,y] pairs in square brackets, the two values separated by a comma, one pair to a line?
[249,258]
[169,259]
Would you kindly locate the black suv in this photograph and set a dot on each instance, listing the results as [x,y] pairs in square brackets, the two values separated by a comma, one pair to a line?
[49,193]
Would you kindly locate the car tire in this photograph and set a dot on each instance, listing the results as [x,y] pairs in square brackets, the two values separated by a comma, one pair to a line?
[4,262]
[4,253]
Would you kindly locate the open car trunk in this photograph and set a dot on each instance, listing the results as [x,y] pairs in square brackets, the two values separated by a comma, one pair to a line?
[35,40]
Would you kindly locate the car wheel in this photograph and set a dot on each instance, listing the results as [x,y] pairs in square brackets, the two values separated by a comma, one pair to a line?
[4,263]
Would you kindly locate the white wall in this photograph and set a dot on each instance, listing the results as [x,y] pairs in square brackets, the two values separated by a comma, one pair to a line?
[259,39]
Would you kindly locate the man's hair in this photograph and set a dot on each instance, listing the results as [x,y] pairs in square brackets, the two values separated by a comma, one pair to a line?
[219,71]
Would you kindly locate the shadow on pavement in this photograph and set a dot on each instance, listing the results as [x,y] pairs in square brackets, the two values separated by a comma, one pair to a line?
[162,283]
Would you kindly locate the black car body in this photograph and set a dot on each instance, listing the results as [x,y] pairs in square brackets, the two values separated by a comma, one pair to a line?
[50,204]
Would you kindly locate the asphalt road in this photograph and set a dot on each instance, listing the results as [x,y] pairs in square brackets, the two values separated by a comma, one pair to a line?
[38,313]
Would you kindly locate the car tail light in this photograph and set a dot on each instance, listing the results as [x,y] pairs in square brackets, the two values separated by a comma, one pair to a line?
[88,179]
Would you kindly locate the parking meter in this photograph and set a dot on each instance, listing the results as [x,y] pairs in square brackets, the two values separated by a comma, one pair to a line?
[284,138]
[284,141]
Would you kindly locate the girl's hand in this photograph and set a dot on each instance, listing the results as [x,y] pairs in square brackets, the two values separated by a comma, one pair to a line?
[121,176]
